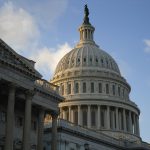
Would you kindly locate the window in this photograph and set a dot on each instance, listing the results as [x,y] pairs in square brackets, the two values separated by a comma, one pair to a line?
[100,87]
[113,89]
[2,116]
[62,88]
[76,87]
[19,121]
[84,87]
[92,87]
[84,59]
[69,88]
[123,93]
[102,62]
[84,116]
[107,89]
[34,125]
[76,117]
[93,118]
[102,118]
[119,91]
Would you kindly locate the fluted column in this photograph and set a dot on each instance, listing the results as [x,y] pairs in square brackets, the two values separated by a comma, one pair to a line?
[124,120]
[130,122]
[108,118]
[54,131]
[40,129]
[99,117]
[89,116]
[27,120]
[79,115]
[69,113]
[72,87]
[117,121]
[10,118]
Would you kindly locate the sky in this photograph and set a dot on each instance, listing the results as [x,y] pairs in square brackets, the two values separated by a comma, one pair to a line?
[46,30]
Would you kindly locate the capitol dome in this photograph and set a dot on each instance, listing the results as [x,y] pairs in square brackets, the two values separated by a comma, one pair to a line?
[96,95]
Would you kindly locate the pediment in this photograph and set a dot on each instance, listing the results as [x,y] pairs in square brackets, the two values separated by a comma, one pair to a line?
[10,57]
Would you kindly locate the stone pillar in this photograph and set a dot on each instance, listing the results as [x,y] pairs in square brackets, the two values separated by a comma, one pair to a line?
[79,115]
[61,113]
[130,123]
[10,118]
[69,107]
[99,117]
[117,119]
[124,120]
[27,121]
[54,131]
[72,87]
[89,116]
[40,129]
[108,118]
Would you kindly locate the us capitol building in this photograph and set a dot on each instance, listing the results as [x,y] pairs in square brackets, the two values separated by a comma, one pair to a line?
[97,113]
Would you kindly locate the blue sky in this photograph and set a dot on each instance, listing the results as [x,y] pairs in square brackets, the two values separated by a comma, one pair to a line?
[45,30]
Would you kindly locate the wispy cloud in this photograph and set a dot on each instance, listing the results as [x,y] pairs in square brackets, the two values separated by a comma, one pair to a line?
[17,27]
[48,58]
[147,44]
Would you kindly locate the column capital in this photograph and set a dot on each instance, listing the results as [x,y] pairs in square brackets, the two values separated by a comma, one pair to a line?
[29,94]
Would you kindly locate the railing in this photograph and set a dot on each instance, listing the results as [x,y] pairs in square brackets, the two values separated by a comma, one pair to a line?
[84,131]
[47,85]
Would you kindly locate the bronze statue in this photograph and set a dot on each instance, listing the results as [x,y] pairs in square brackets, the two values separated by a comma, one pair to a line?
[86,14]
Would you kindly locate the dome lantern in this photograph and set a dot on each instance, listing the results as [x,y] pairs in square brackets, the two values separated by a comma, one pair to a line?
[86,30]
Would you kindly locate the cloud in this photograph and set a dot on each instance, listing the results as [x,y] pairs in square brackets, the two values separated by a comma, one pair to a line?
[17,27]
[47,59]
[147,48]
[45,12]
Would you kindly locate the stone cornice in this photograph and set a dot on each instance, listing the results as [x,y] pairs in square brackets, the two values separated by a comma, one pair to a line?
[10,58]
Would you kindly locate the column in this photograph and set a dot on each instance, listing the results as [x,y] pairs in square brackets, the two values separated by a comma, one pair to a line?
[54,131]
[10,118]
[69,107]
[40,129]
[130,123]
[79,115]
[61,112]
[72,87]
[108,118]
[117,120]
[99,117]
[89,116]
[124,120]
[27,120]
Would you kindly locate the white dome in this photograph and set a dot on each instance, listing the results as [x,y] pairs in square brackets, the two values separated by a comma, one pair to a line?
[87,57]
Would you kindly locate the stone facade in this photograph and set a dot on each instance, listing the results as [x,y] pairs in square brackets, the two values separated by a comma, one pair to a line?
[25,98]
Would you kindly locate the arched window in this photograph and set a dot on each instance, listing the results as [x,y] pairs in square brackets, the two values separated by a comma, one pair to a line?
[93,118]
[100,87]
[107,89]
[69,88]
[113,89]
[84,87]
[92,87]
[84,116]
[76,87]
